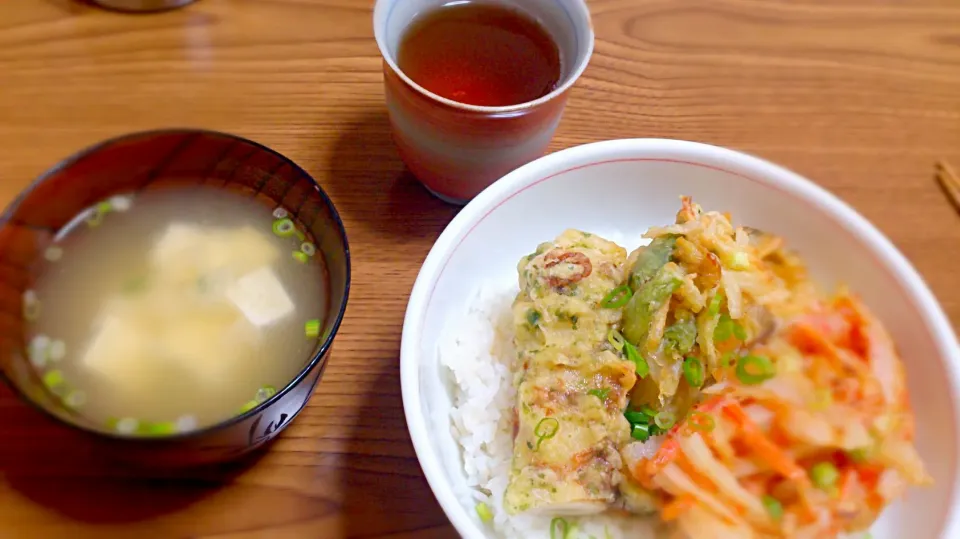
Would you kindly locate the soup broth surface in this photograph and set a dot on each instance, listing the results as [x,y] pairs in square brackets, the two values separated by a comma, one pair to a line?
[174,310]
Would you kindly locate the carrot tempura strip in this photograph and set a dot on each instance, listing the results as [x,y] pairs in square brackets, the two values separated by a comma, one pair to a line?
[778,459]
[676,507]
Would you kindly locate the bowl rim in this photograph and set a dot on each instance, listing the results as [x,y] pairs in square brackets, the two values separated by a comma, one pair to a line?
[646,149]
[315,359]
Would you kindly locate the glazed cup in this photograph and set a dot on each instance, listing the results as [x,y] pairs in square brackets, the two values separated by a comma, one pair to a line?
[456,149]
[156,160]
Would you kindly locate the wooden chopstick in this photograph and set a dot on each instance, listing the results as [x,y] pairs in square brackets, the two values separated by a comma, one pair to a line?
[950,182]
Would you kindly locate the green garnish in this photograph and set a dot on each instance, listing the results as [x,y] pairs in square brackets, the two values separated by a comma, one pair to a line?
[643,369]
[312,328]
[561,529]
[547,428]
[753,370]
[308,248]
[247,406]
[484,512]
[693,371]
[860,454]
[724,329]
[701,422]
[616,339]
[640,431]
[715,302]
[634,417]
[648,411]
[824,475]
[773,507]
[664,420]
[739,332]
[162,428]
[284,227]
[533,317]
[618,297]
[53,379]
[600,393]
[299,256]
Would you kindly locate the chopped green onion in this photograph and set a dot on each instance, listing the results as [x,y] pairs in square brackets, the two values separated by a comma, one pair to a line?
[547,428]
[265,393]
[299,256]
[739,332]
[648,411]
[249,405]
[693,371]
[533,317]
[104,206]
[618,297]
[600,393]
[616,339]
[640,431]
[643,369]
[773,507]
[300,235]
[701,422]
[824,475]
[163,428]
[714,308]
[308,248]
[860,454]
[484,512]
[280,213]
[53,379]
[560,528]
[753,370]
[664,419]
[312,328]
[284,228]
[634,417]
[724,329]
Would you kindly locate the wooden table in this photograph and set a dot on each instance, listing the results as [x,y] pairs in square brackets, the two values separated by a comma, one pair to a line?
[860,95]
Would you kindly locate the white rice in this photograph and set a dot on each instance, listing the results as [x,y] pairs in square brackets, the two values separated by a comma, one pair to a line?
[477,350]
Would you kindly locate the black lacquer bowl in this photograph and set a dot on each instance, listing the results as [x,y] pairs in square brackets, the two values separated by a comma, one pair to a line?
[154,160]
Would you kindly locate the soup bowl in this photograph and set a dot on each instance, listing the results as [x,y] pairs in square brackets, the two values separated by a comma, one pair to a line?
[618,189]
[174,158]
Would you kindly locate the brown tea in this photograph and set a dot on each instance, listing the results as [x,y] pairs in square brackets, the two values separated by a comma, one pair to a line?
[480,54]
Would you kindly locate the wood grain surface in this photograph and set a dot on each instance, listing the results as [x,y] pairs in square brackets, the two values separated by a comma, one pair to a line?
[860,95]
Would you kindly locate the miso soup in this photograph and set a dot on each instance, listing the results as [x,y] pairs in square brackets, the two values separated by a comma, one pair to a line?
[173,310]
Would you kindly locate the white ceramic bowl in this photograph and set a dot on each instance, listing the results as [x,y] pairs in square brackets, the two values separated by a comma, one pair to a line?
[629,185]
